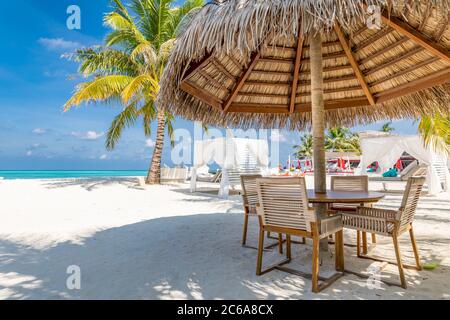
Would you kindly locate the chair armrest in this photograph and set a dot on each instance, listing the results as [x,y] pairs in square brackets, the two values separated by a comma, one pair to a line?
[330,225]
[389,215]
[259,210]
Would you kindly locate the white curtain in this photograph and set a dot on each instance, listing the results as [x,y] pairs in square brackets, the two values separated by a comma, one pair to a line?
[228,154]
[387,150]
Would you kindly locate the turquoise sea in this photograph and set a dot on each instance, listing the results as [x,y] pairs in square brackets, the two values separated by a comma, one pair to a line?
[70,174]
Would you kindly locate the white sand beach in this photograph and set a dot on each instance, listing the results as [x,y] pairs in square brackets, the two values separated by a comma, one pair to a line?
[162,242]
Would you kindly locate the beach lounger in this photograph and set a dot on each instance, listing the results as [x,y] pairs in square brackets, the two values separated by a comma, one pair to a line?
[173,174]
[412,170]
[390,223]
[214,178]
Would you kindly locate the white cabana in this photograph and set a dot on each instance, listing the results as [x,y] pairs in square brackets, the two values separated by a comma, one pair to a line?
[234,156]
[388,149]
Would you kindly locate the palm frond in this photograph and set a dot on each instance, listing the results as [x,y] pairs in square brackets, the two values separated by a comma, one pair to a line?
[99,89]
[435,132]
[137,85]
[123,120]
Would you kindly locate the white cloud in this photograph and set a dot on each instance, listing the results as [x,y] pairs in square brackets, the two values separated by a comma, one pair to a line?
[103,157]
[36,146]
[150,143]
[89,135]
[39,131]
[278,137]
[59,44]
[29,153]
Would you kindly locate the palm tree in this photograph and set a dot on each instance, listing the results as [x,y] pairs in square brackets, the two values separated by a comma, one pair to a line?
[305,149]
[340,139]
[129,67]
[387,127]
[435,132]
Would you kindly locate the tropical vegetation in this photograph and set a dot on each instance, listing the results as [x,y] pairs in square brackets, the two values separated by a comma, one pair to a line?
[338,139]
[128,67]
[387,127]
[435,132]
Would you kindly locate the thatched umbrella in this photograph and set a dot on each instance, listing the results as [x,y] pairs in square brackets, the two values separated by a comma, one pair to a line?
[290,63]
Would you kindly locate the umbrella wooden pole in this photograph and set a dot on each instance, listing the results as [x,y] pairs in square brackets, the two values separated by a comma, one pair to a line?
[318,124]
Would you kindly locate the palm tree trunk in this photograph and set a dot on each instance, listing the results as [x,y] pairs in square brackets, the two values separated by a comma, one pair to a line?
[154,172]
[318,124]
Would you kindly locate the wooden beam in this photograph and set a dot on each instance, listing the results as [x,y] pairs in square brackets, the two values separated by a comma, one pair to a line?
[234,60]
[257,108]
[293,50]
[359,31]
[240,83]
[304,82]
[377,36]
[213,81]
[329,56]
[353,63]
[221,68]
[201,94]
[393,61]
[384,50]
[442,26]
[197,66]
[303,94]
[298,59]
[405,71]
[285,73]
[303,107]
[307,94]
[437,78]
[405,29]
[426,16]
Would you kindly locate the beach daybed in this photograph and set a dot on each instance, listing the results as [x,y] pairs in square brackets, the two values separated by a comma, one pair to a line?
[412,170]
[174,174]
[387,150]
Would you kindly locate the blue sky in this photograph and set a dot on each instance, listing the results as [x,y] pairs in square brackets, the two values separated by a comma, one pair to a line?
[35,82]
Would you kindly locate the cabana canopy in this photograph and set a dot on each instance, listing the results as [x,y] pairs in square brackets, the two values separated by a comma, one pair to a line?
[234,156]
[246,63]
[387,150]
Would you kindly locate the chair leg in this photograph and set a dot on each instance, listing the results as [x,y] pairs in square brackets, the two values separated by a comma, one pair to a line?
[399,261]
[364,243]
[260,252]
[358,243]
[374,238]
[339,250]
[315,265]
[244,231]
[415,249]
[288,247]
[280,243]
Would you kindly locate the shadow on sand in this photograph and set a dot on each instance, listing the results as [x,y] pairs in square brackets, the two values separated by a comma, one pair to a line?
[189,257]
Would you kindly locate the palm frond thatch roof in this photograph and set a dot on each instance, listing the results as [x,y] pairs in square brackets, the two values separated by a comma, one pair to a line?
[245,63]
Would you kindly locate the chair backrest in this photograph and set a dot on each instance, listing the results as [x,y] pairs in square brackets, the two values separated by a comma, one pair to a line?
[419,171]
[249,189]
[284,203]
[350,183]
[410,200]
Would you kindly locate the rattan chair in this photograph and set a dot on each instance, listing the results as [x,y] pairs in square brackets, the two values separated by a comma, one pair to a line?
[391,223]
[351,183]
[250,201]
[283,208]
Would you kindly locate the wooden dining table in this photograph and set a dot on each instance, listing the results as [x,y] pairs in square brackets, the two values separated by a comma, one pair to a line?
[354,197]
[331,197]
